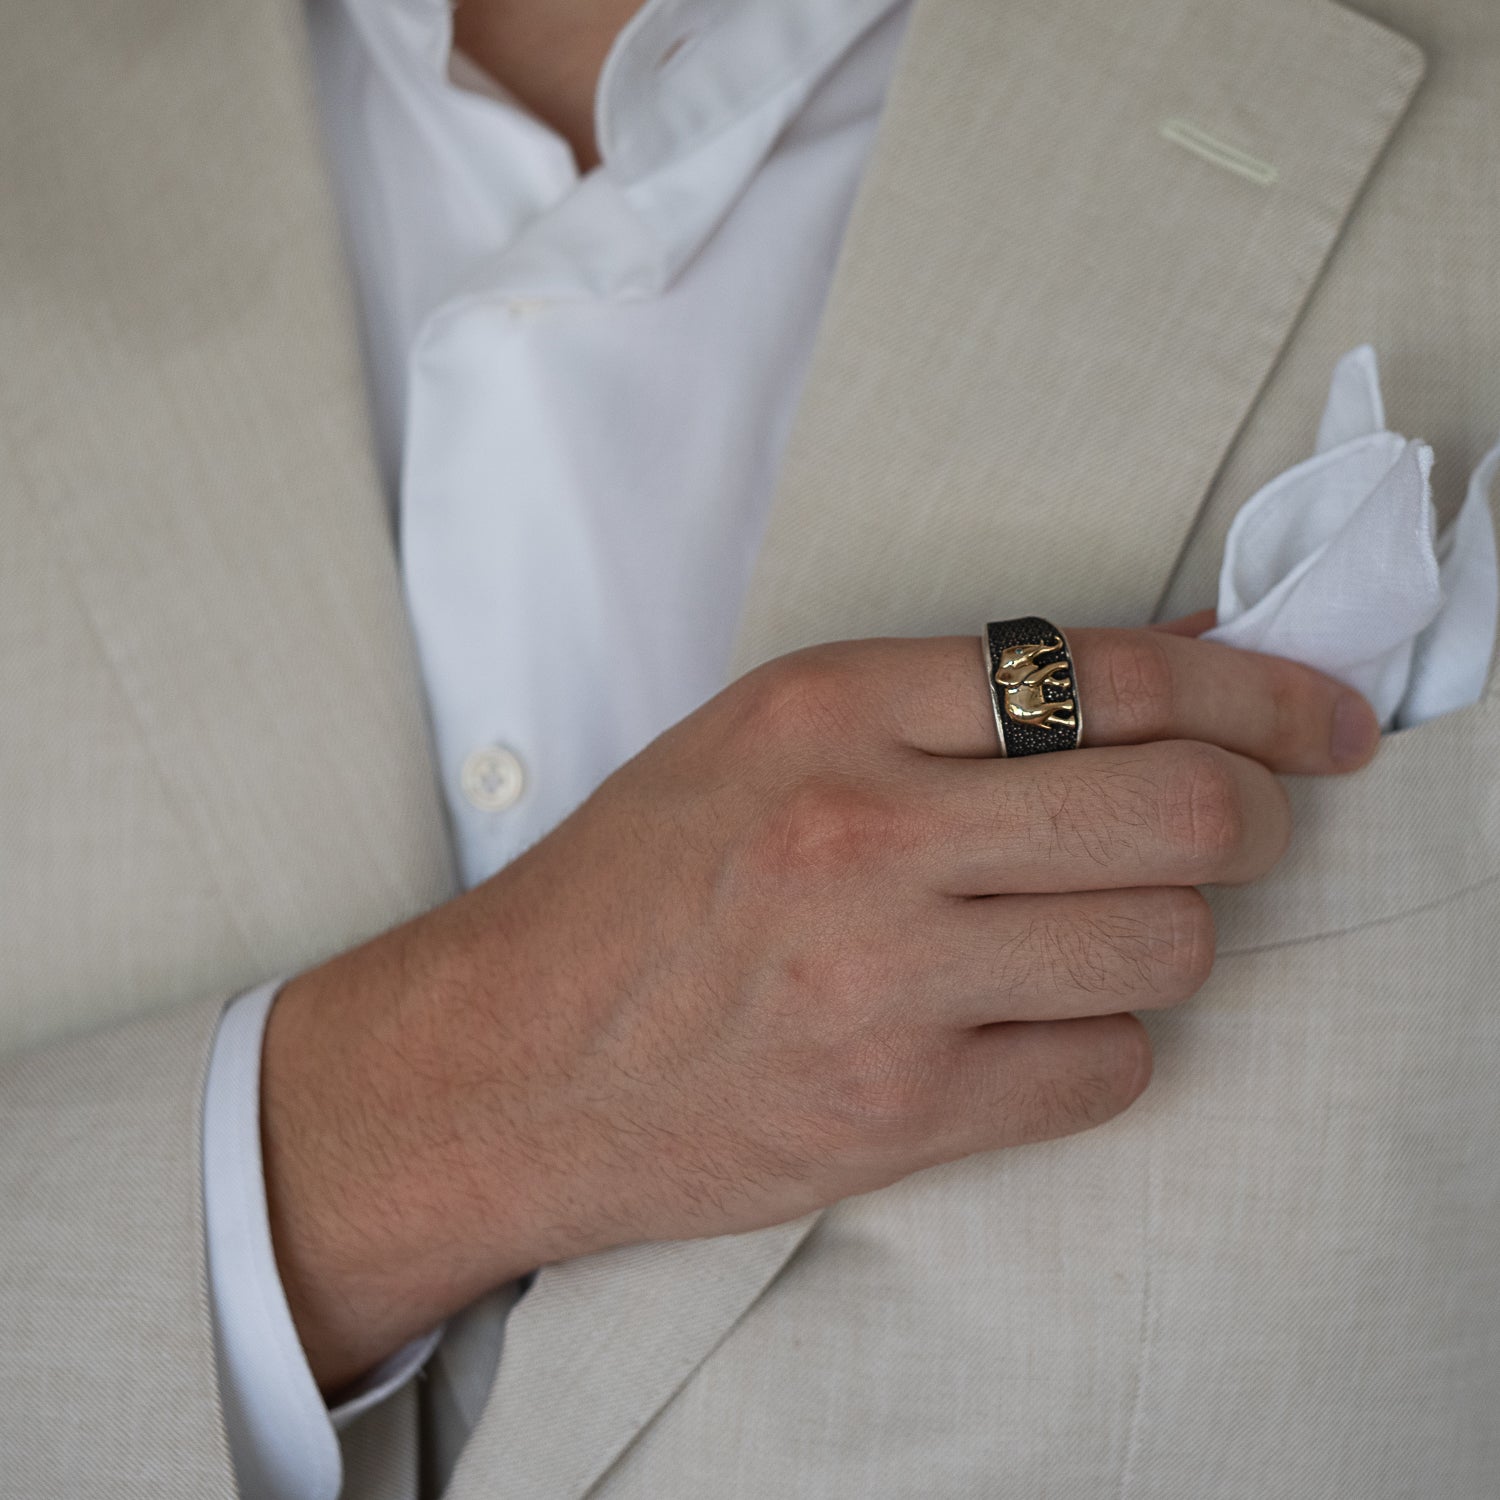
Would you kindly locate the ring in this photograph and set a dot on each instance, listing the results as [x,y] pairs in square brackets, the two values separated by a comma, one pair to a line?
[1030,671]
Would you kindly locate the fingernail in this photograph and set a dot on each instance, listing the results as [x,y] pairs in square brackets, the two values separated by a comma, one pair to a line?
[1355,730]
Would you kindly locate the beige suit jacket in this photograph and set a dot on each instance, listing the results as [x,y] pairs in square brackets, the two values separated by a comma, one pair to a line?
[1061,349]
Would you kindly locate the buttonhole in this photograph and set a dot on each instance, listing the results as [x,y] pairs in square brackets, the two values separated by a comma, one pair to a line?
[675,50]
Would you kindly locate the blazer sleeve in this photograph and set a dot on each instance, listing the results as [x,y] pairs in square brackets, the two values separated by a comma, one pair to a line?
[107,1374]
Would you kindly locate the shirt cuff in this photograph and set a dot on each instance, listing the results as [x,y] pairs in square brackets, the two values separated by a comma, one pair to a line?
[282,1434]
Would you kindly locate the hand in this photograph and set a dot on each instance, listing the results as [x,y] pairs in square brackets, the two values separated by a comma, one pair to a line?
[814,938]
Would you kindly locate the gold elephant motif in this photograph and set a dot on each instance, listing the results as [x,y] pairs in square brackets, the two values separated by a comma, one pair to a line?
[1025,682]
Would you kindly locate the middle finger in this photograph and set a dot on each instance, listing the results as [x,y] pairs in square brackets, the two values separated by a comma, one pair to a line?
[1174,813]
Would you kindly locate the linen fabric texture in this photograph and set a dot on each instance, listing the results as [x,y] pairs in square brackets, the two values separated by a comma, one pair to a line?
[1338,563]
[1277,1271]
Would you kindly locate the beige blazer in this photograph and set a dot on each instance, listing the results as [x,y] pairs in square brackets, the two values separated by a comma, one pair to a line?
[1061,349]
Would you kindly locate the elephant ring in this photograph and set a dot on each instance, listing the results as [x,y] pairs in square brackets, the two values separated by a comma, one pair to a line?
[1032,690]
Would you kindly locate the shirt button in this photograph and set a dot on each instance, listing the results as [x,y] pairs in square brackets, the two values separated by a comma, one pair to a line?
[492,778]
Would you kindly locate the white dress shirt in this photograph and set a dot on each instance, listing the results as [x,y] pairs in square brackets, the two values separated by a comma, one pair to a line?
[582,388]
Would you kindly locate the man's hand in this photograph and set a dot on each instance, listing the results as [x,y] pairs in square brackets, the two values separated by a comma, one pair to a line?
[814,938]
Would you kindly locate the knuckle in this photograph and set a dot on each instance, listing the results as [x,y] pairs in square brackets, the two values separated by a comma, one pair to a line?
[1141,684]
[1286,689]
[1301,710]
[836,987]
[824,829]
[884,1094]
[1184,944]
[1282,818]
[1120,1071]
[1194,937]
[1156,952]
[799,698]
[1135,1062]
[1108,1077]
[1206,811]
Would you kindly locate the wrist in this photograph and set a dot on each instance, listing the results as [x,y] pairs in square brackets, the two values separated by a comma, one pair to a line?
[385,1192]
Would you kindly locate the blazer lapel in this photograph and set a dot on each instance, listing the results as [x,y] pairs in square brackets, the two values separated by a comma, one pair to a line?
[1086,232]
[195,428]
[597,1347]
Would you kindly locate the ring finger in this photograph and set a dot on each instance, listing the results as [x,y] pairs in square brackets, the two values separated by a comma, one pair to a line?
[1138,686]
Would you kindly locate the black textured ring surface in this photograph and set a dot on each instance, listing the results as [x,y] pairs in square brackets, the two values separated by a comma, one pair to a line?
[1031,686]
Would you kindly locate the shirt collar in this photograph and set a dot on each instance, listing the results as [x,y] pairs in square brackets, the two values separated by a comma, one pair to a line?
[682,71]
[682,77]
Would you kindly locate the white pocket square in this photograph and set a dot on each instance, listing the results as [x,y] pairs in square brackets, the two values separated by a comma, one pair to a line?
[1337,563]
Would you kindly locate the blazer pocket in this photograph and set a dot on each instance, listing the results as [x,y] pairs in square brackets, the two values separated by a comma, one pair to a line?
[1419,824]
